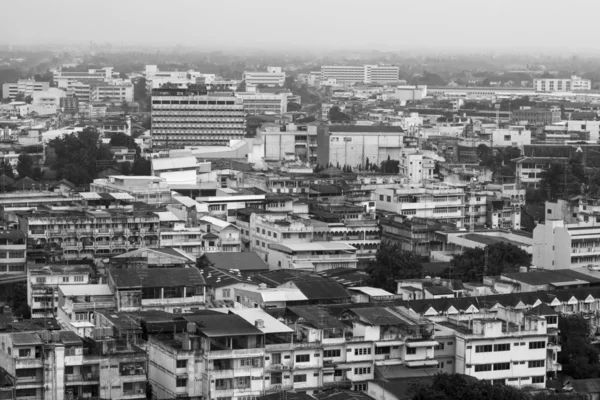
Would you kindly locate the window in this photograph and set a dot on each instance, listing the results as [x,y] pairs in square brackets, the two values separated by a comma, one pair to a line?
[331,353]
[40,280]
[24,352]
[501,366]
[81,316]
[69,370]
[26,392]
[360,387]
[299,378]
[380,197]
[78,278]
[181,363]
[362,351]
[537,345]
[382,350]
[537,379]
[226,292]
[302,358]
[502,347]
[181,382]
[439,346]
[362,370]
[483,349]
[483,367]
[449,362]
[537,364]
[411,350]
[286,235]
[551,319]
[65,279]
[16,254]
[337,372]
[450,343]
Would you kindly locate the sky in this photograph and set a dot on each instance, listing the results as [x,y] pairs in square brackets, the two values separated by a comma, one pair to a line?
[307,24]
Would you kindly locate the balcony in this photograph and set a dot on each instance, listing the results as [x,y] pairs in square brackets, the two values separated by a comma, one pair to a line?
[279,387]
[280,367]
[93,305]
[85,379]
[238,353]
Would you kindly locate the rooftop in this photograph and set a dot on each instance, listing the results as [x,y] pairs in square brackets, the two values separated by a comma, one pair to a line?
[271,325]
[85,290]
[156,277]
[221,325]
[244,261]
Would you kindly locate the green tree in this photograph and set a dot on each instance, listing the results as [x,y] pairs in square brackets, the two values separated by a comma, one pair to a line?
[25,165]
[77,156]
[494,259]
[141,166]
[241,87]
[562,180]
[462,387]
[393,263]
[292,106]
[6,169]
[336,115]
[579,358]
[126,168]
[120,139]
[125,107]
[20,96]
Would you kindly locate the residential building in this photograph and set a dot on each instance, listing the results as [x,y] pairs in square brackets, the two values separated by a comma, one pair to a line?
[168,257]
[529,169]
[269,298]
[505,347]
[174,290]
[13,252]
[417,235]
[273,76]
[42,286]
[357,146]
[436,201]
[225,234]
[416,167]
[536,116]
[91,233]
[112,92]
[224,203]
[182,117]
[575,83]
[503,213]
[263,103]
[315,256]
[361,74]
[145,189]
[77,305]
[25,86]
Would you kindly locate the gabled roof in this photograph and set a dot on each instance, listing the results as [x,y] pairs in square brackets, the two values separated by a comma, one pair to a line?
[542,310]
[377,316]
[155,277]
[322,289]
[317,317]
[63,182]
[591,386]
[217,278]
[246,261]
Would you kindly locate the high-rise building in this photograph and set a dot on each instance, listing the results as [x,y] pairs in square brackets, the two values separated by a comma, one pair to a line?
[189,117]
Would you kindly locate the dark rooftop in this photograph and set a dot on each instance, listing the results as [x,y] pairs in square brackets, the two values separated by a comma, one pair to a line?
[156,277]
[247,261]
[220,325]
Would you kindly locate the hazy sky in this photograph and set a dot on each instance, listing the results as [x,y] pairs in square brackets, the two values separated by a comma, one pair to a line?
[377,24]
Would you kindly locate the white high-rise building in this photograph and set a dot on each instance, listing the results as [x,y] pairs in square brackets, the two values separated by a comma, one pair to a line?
[362,74]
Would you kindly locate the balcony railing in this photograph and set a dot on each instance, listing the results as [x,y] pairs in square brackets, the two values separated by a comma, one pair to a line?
[91,377]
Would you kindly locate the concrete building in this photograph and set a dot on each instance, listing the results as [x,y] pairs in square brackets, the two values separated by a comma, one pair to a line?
[436,201]
[183,291]
[25,86]
[315,256]
[536,116]
[353,145]
[360,74]
[92,233]
[416,167]
[42,286]
[77,305]
[13,252]
[591,127]
[146,189]
[288,142]
[186,118]
[575,83]
[529,169]
[516,136]
[273,76]
[263,103]
[112,92]
[416,234]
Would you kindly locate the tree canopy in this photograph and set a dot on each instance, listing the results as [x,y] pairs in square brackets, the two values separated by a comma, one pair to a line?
[461,387]
[393,263]
[77,156]
[336,115]
[579,358]
[501,257]
[6,169]
[293,106]
[25,165]
[141,166]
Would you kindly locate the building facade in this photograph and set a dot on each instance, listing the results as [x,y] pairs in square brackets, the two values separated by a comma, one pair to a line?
[25,86]
[186,118]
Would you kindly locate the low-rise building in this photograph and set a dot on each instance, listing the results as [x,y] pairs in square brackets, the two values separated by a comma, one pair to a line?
[13,252]
[77,305]
[315,256]
[43,282]
[146,189]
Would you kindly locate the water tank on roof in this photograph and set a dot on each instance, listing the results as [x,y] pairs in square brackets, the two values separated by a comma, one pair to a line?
[523,269]
[262,286]
[55,337]
[191,327]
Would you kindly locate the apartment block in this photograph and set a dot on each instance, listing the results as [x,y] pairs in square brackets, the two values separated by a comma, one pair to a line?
[282,142]
[25,86]
[315,256]
[182,117]
[13,252]
[91,233]
[77,305]
[416,167]
[416,234]
[263,103]
[43,282]
[437,201]
[273,76]
[113,93]
[575,83]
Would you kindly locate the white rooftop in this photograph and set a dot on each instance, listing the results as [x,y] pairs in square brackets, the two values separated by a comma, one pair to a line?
[271,325]
[319,246]
[85,290]
[168,216]
[371,291]
[278,294]
[162,164]
[215,221]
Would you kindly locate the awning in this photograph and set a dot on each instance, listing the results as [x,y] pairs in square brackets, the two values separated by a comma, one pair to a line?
[390,343]
[420,363]
[429,343]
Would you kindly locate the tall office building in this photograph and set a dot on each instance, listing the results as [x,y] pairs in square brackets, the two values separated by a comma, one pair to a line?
[191,117]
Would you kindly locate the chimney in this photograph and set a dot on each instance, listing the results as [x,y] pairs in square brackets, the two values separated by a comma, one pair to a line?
[259,323]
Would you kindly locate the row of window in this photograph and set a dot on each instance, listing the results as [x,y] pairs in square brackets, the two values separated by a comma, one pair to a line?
[486,348]
[65,279]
